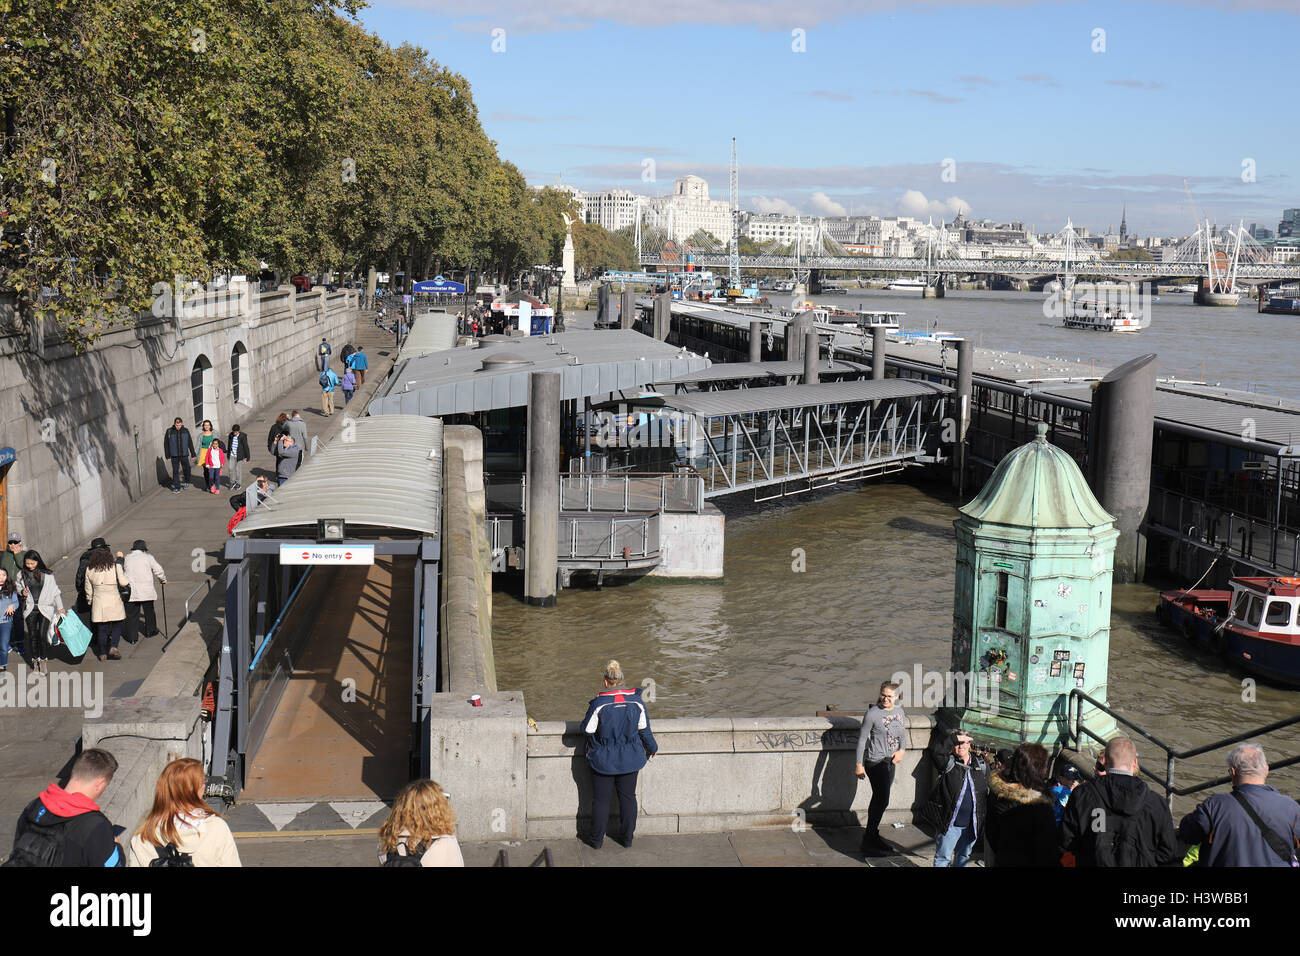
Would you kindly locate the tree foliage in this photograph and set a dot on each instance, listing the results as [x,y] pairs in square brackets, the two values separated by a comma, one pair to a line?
[146,140]
[597,250]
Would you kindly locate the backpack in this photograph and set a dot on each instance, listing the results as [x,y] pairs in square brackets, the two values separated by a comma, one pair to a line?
[169,855]
[39,846]
[324,379]
[323,350]
[1119,846]
[412,857]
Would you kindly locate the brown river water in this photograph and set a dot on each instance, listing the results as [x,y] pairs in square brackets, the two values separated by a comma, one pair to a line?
[876,592]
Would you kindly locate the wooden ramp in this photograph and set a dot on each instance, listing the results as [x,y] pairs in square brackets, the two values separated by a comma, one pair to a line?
[342,730]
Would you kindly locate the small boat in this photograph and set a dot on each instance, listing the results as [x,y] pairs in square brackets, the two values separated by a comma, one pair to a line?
[906,285]
[863,319]
[1280,305]
[1256,624]
[1188,287]
[1099,317]
[832,290]
[785,285]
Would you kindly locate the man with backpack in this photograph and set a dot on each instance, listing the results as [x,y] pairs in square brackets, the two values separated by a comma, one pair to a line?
[329,380]
[1115,820]
[323,353]
[64,827]
[296,429]
[1254,825]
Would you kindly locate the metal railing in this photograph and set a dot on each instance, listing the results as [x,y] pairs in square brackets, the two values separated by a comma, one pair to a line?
[1074,712]
[1247,538]
[675,493]
[588,537]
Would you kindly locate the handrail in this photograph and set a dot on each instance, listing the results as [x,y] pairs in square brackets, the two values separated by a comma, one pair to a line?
[185,620]
[1074,712]
[266,641]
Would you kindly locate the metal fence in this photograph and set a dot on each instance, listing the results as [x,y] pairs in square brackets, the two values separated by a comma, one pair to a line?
[587,537]
[680,493]
[1247,538]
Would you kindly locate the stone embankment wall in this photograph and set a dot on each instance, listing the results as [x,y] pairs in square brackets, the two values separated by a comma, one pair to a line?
[88,428]
[467,662]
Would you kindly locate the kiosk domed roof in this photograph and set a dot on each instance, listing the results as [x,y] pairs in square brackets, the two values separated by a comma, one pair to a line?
[1038,486]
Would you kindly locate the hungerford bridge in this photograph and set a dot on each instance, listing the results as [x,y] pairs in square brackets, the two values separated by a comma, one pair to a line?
[1222,258]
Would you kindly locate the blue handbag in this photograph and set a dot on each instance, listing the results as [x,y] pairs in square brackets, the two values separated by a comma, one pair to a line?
[73,633]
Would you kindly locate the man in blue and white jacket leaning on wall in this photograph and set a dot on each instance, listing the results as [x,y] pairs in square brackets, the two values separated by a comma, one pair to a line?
[619,743]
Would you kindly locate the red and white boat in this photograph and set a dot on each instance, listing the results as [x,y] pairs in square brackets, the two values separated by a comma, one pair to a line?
[1255,624]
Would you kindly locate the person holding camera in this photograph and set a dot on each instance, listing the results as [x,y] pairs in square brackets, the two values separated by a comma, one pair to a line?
[286,459]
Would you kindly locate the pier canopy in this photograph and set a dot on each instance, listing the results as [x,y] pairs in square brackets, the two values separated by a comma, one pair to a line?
[492,376]
[431,332]
[381,475]
[762,372]
[777,397]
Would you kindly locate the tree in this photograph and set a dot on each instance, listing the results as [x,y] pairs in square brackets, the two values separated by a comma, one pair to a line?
[597,250]
[1131,255]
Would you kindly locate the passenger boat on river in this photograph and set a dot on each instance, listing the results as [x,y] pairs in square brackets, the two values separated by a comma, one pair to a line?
[1255,624]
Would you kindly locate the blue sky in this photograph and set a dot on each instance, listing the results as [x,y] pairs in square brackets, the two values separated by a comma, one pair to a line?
[1038,125]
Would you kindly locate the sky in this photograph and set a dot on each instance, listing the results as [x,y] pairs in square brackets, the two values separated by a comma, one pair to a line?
[1012,111]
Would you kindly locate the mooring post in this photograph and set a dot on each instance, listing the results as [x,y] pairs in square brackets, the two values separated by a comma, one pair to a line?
[541,526]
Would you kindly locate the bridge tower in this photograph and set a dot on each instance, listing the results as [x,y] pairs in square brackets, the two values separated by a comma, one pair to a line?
[1031,612]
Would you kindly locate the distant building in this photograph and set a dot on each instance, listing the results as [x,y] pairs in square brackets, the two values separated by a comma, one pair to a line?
[774,227]
[687,211]
[1289,227]
[613,209]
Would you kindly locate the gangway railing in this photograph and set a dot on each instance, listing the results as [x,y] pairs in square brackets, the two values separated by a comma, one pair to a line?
[1199,522]
[595,537]
[1078,730]
[624,492]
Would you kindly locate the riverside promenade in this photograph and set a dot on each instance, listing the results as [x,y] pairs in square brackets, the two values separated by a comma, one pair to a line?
[186,533]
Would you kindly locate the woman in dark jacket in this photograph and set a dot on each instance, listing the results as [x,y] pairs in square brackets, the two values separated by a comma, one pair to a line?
[279,427]
[1021,825]
[619,742]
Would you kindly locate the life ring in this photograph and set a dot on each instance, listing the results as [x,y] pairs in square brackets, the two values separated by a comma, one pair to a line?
[1293,582]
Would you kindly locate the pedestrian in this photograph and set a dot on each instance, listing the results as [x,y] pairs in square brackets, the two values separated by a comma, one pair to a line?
[180,829]
[65,827]
[420,829]
[12,561]
[207,436]
[358,362]
[10,602]
[346,353]
[214,457]
[1116,820]
[297,429]
[237,452]
[178,448]
[42,606]
[1067,778]
[260,491]
[323,352]
[79,582]
[348,383]
[1254,825]
[619,743]
[286,459]
[104,580]
[1021,828]
[329,381]
[279,427]
[141,568]
[958,802]
[882,745]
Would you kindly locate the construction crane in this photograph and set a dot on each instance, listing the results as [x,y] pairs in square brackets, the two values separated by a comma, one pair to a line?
[733,258]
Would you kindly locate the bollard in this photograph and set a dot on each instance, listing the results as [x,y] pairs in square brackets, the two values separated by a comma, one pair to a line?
[541,526]
[877,353]
[961,407]
[811,355]
[756,341]
[1119,450]
[627,309]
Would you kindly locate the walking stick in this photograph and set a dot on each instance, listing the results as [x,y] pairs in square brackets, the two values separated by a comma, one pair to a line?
[164,594]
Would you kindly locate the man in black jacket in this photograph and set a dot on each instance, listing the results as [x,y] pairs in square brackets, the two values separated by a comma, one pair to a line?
[66,827]
[957,803]
[178,447]
[1115,820]
[83,605]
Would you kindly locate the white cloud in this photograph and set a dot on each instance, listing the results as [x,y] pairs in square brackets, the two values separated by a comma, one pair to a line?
[767,204]
[913,203]
[824,205]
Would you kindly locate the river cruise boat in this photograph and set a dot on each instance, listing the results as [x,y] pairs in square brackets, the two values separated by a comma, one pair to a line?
[1255,624]
[785,285]
[906,285]
[1280,305]
[1099,317]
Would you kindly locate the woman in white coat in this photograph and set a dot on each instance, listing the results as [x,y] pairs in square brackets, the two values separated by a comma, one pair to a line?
[421,828]
[104,580]
[141,569]
[42,607]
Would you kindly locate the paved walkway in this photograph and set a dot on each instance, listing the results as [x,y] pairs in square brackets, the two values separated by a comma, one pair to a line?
[186,533]
[772,847]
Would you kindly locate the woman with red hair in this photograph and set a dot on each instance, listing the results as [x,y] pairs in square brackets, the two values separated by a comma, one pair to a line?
[180,829]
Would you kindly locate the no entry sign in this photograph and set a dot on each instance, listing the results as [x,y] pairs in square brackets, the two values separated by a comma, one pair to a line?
[327,554]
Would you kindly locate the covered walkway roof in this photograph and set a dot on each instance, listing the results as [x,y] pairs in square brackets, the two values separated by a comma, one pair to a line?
[746,400]
[726,371]
[383,474]
[591,363]
[432,332]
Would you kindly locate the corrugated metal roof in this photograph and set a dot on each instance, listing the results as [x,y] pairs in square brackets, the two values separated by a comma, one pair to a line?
[432,332]
[736,370]
[387,477]
[457,381]
[1232,419]
[745,400]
